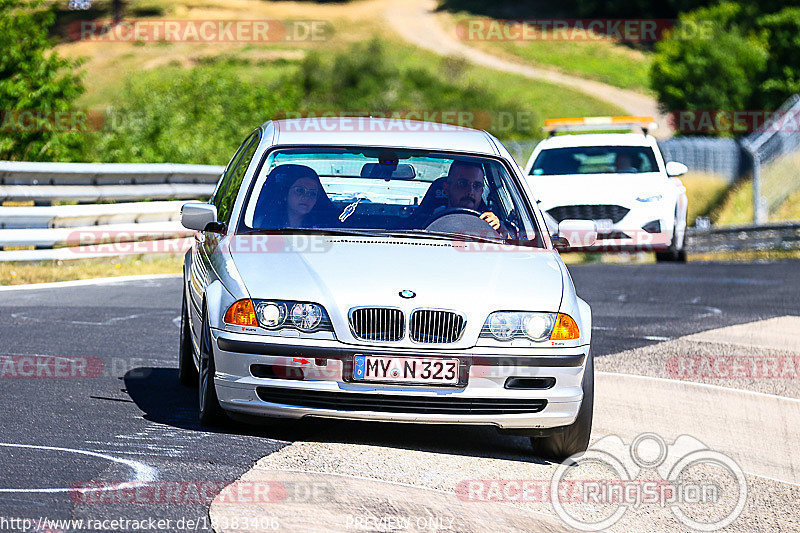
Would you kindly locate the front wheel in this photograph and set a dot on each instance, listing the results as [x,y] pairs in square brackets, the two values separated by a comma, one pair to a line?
[575,437]
[209,409]
[187,371]
[676,253]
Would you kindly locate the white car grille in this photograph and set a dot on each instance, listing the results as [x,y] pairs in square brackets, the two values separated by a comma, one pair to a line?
[385,324]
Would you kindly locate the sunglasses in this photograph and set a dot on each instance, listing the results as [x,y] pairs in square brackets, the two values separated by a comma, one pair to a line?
[465,184]
[299,190]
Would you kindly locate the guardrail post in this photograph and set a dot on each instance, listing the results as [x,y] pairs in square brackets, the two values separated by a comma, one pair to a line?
[759,203]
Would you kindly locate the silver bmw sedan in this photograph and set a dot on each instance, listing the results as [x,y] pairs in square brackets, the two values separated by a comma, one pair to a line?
[389,270]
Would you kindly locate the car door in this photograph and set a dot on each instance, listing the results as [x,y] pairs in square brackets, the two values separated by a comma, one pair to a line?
[202,272]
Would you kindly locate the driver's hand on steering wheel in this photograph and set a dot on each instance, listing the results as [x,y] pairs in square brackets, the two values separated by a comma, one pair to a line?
[491,219]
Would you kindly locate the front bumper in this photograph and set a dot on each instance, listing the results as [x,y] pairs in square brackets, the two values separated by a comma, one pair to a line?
[326,375]
[629,234]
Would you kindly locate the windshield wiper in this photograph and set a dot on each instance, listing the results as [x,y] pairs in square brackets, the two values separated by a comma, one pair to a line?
[443,235]
[313,231]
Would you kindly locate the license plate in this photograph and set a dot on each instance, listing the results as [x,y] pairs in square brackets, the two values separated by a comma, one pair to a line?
[405,369]
[605,225]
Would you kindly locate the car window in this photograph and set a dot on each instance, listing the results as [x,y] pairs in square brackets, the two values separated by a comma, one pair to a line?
[384,190]
[222,184]
[234,177]
[594,160]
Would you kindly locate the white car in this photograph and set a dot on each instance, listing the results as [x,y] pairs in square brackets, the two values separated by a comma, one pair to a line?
[348,269]
[618,180]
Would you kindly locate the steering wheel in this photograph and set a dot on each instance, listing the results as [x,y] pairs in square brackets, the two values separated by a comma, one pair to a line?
[454,211]
[469,226]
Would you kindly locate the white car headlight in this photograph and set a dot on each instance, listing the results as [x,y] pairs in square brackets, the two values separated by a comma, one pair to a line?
[305,316]
[271,315]
[508,325]
[650,198]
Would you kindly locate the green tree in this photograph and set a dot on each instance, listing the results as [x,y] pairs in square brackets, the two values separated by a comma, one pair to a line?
[33,78]
[711,61]
[782,76]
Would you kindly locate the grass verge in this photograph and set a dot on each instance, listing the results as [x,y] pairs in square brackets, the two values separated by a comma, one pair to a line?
[599,58]
[704,192]
[21,273]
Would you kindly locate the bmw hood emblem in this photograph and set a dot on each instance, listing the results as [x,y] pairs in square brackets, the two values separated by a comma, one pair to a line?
[407,294]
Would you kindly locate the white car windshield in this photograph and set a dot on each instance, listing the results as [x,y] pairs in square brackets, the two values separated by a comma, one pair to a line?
[387,191]
[594,160]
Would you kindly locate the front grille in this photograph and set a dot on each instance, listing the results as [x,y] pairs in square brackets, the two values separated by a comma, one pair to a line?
[435,326]
[588,212]
[443,404]
[381,324]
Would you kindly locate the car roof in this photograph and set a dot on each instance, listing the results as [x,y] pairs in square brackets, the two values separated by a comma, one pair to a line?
[598,139]
[394,133]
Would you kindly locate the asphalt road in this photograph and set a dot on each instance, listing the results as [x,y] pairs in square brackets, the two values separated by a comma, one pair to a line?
[139,423]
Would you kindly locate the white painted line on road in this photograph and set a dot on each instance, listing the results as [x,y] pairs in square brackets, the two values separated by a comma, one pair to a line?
[656,338]
[142,472]
[108,322]
[711,311]
[91,281]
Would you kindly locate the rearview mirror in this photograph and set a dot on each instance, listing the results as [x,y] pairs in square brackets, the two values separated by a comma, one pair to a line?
[675,169]
[574,234]
[201,216]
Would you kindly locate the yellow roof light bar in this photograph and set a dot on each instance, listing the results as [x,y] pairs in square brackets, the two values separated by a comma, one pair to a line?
[554,125]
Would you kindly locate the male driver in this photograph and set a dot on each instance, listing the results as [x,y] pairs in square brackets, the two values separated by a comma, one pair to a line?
[464,188]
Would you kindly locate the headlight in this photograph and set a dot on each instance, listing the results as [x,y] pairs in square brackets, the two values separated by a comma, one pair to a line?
[503,326]
[650,198]
[508,325]
[271,315]
[306,317]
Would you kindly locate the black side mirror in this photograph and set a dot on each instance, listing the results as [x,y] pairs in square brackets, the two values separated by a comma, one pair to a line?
[216,227]
[560,243]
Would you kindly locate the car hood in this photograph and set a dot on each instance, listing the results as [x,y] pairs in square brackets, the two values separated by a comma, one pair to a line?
[341,273]
[615,189]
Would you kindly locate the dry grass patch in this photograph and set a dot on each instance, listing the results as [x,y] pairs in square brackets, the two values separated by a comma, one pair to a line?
[20,273]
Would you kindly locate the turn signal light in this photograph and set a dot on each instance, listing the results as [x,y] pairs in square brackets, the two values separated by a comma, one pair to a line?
[565,329]
[242,313]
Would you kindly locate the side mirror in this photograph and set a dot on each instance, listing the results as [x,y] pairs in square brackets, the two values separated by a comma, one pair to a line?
[675,169]
[574,234]
[201,216]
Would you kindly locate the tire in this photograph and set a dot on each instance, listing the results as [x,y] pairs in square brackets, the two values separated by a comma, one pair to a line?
[675,253]
[575,437]
[209,410]
[187,371]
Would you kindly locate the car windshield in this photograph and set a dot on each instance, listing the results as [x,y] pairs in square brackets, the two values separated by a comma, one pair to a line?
[595,160]
[379,191]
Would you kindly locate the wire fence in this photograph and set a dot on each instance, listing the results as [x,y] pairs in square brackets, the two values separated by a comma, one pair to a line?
[775,149]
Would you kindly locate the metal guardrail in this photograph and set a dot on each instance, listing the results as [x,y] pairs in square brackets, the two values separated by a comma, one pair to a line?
[97,182]
[65,216]
[26,173]
[96,229]
[775,236]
